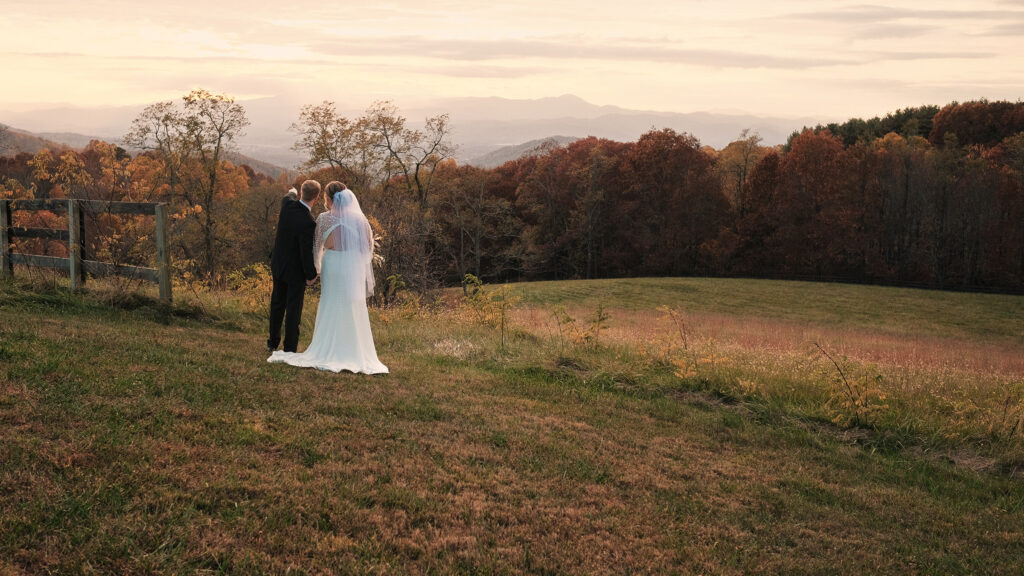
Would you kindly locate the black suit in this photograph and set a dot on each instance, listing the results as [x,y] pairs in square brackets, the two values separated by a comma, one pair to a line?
[291,266]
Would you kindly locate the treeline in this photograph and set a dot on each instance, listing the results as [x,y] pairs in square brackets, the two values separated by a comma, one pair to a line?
[940,205]
[924,197]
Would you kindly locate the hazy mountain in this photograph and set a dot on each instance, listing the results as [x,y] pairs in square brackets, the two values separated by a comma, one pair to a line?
[18,141]
[70,139]
[24,141]
[107,123]
[507,153]
[483,125]
[266,139]
[491,108]
[479,125]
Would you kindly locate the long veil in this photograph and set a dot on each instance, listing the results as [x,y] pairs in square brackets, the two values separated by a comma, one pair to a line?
[350,232]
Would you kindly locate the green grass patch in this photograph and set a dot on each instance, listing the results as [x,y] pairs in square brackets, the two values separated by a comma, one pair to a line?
[141,441]
[899,310]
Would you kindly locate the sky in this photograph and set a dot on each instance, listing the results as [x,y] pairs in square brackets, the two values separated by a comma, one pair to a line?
[783,58]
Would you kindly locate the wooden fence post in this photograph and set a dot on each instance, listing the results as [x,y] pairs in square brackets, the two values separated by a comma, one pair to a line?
[163,259]
[74,247]
[81,242]
[6,264]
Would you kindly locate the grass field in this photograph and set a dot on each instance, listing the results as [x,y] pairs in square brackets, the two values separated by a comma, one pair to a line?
[886,309]
[145,439]
[928,368]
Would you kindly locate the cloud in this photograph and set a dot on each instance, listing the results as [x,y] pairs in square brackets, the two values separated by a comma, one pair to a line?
[894,56]
[489,71]
[887,31]
[209,61]
[561,49]
[566,49]
[872,14]
[1009,29]
[876,22]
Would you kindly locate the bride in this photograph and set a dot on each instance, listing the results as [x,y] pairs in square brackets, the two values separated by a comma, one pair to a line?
[343,255]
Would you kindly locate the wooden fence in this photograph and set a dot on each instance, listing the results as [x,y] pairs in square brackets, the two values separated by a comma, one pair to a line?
[75,264]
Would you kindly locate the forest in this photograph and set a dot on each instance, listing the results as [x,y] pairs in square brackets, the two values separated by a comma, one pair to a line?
[926,197]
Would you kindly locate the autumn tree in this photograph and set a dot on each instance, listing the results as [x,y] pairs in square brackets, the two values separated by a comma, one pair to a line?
[212,122]
[597,182]
[1009,156]
[50,176]
[544,198]
[376,148]
[160,129]
[411,155]
[252,216]
[347,145]
[901,180]
[66,174]
[978,122]
[907,122]
[674,202]
[734,164]
[818,212]
[756,249]
[565,201]
[191,138]
[476,227]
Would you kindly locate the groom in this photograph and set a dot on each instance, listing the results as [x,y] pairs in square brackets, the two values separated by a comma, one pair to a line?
[292,265]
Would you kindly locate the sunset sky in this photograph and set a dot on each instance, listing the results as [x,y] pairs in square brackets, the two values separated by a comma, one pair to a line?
[786,57]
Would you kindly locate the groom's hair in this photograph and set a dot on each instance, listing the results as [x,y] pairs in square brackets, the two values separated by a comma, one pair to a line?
[310,190]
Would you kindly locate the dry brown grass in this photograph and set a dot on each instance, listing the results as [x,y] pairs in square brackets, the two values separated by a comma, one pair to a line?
[134,446]
[946,392]
[772,336]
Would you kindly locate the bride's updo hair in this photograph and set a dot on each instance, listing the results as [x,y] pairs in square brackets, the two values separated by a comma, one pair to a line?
[332,190]
[334,187]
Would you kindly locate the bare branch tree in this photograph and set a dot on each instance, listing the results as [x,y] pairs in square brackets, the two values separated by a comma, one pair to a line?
[375,148]
[411,153]
[329,139]
[191,139]
[159,128]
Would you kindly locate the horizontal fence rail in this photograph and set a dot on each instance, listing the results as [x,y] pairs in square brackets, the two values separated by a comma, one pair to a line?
[77,266]
[143,208]
[38,261]
[100,269]
[47,233]
[97,269]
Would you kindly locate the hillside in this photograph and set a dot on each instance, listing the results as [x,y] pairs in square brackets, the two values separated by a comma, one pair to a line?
[508,153]
[24,141]
[483,123]
[158,440]
[272,170]
[17,141]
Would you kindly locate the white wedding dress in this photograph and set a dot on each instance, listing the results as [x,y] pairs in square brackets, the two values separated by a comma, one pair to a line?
[342,339]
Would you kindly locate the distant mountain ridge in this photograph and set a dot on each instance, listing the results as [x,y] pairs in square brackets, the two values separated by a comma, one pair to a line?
[509,153]
[480,125]
[24,141]
[483,125]
[18,141]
